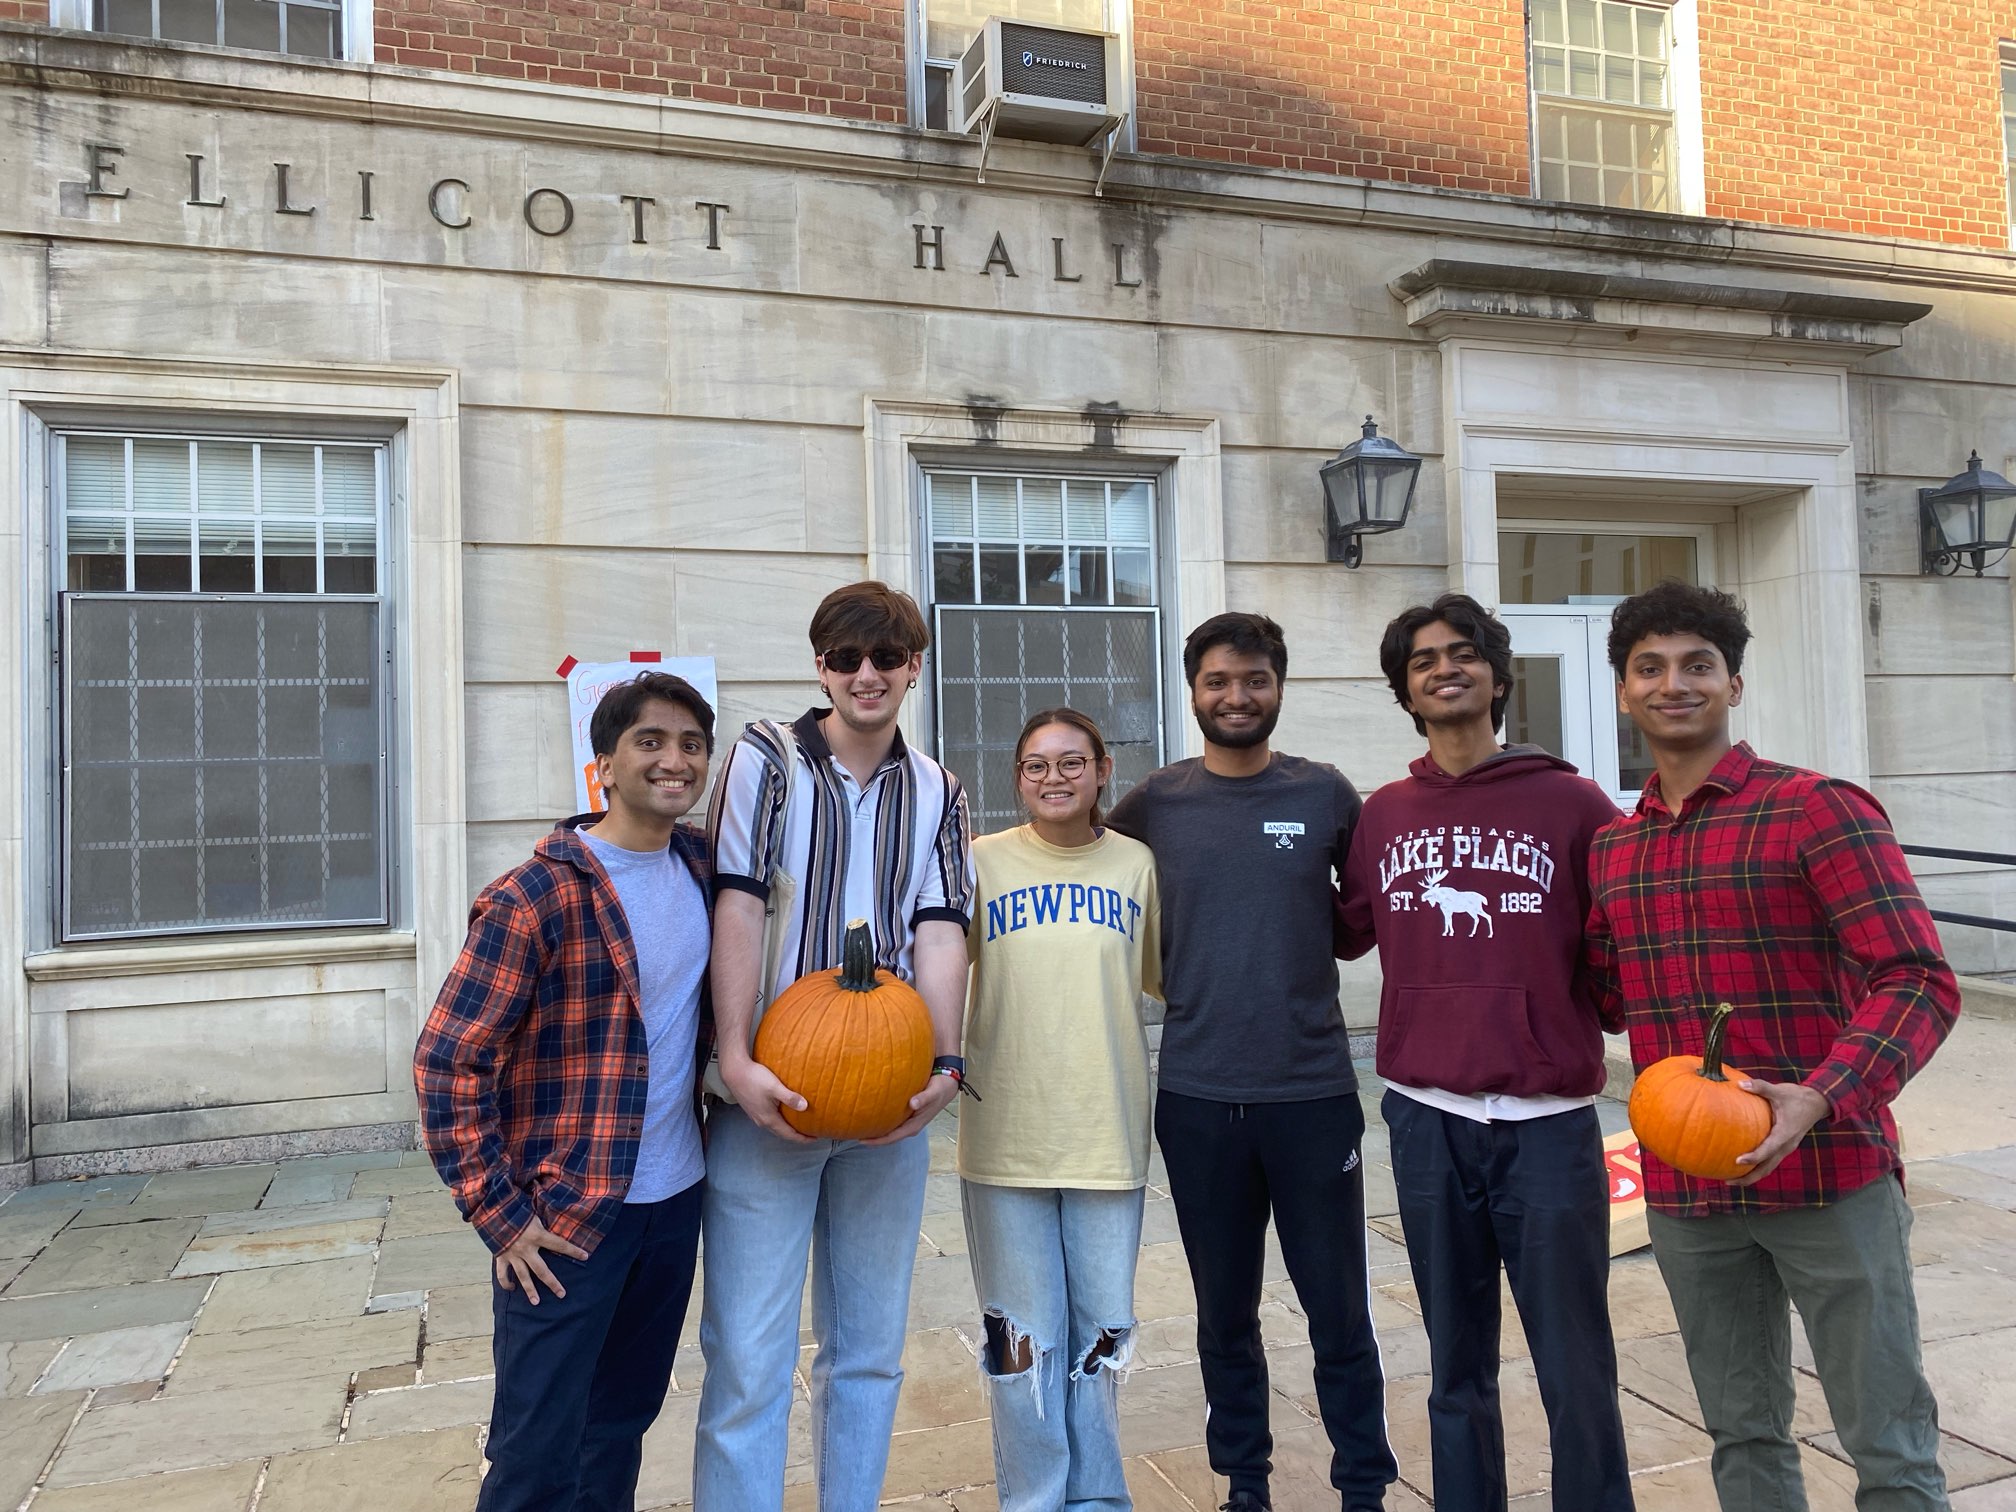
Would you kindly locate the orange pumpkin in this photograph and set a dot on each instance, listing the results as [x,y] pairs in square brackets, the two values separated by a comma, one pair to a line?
[855,1043]
[1688,1113]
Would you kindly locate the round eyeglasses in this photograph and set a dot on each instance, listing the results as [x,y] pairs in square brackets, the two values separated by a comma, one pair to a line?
[1035,768]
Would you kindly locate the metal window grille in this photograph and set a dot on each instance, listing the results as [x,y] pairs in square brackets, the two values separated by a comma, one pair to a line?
[305,28]
[223,694]
[1044,591]
[1603,102]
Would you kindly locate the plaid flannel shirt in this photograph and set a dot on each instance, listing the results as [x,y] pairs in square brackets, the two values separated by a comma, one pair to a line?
[1783,892]
[532,1069]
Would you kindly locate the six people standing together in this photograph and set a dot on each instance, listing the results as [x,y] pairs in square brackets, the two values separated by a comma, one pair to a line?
[1516,915]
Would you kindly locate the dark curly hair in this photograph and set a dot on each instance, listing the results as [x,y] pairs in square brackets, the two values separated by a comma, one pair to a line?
[1676,608]
[1467,618]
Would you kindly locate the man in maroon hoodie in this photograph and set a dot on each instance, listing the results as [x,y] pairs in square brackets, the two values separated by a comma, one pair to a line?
[1470,875]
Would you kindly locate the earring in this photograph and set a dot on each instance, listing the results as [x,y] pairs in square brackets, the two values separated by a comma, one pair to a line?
[913,682]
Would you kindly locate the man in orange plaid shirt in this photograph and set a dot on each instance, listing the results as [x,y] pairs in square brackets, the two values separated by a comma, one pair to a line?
[556,1078]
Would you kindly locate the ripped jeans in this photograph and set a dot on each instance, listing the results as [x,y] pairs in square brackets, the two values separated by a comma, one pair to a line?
[1054,1268]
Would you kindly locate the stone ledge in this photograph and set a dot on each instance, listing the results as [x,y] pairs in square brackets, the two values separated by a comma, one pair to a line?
[1445,298]
[233,952]
[243,1150]
[1577,283]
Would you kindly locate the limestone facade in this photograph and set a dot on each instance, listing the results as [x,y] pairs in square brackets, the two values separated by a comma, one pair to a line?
[658,374]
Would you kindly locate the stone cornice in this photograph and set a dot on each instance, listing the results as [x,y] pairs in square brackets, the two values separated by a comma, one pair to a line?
[1454,298]
[42,59]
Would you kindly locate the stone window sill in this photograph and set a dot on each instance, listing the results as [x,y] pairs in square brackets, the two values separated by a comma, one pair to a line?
[236,953]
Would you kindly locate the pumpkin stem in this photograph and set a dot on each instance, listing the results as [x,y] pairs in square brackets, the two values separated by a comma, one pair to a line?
[1711,1053]
[857,958]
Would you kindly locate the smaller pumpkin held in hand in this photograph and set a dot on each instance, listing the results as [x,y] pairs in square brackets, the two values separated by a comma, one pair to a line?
[854,1042]
[1685,1110]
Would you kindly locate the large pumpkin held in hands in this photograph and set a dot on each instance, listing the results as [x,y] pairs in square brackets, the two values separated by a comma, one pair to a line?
[1685,1110]
[855,1043]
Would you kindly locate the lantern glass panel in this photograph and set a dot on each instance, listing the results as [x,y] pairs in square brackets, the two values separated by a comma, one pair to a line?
[1956,520]
[1388,486]
[1340,490]
[1998,520]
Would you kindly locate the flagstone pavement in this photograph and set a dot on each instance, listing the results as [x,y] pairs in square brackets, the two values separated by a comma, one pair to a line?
[313,1336]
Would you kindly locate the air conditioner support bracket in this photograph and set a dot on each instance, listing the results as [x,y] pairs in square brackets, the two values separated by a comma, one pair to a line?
[1106,157]
[987,139]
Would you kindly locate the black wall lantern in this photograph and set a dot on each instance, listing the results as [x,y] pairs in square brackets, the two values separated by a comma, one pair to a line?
[1964,519]
[1367,488]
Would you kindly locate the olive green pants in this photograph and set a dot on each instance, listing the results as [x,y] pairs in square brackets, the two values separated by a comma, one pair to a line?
[1847,1267]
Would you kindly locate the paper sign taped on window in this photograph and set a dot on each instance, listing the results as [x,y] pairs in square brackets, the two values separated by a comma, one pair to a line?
[588,681]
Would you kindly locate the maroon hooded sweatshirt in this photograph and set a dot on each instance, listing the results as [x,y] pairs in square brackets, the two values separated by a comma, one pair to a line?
[1475,889]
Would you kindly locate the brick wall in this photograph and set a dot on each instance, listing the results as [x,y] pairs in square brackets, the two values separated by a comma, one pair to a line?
[1876,116]
[1433,92]
[1881,117]
[824,57]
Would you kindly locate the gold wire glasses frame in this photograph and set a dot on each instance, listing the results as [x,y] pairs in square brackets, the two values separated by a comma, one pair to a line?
[1068,767]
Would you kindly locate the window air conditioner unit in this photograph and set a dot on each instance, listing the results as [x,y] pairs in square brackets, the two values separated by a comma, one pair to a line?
[1042,84]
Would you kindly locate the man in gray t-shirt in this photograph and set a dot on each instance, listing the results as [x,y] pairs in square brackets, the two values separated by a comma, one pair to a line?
[1258,1108]
[555,1076]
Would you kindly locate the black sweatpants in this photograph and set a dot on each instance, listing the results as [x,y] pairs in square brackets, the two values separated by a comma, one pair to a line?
[1230,1164]
[1534,1194]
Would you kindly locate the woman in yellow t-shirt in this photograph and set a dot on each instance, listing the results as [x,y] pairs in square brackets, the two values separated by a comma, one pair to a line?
[1065,939]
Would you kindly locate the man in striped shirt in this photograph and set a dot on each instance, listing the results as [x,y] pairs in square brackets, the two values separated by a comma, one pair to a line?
[832,818]
[1782,892]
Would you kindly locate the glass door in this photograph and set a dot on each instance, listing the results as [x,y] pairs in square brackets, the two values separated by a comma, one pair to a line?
[1557,583]
[1549,706]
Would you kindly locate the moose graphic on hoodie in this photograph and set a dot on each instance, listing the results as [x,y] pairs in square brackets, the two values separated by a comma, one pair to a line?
[1474,888]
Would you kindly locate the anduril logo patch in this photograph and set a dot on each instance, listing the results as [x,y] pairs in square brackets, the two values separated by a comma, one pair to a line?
[1284,832]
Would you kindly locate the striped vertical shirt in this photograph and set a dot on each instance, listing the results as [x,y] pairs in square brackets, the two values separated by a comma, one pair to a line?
[895,852]
[1781,892]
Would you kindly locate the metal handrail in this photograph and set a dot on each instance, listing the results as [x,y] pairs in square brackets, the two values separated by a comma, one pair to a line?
[1988,858]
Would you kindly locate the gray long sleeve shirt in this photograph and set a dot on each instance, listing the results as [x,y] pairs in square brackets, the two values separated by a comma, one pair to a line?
[1246,866]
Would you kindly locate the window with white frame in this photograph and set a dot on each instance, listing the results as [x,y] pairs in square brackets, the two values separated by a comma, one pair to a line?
[945,28]
[2009,134]
[305,28]
[1603,102]
[221,681]
[1044,590]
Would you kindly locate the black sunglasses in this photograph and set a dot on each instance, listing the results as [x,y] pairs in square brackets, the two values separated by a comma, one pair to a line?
[848,658]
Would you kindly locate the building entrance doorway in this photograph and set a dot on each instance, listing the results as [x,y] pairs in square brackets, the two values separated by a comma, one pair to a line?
[1558,582]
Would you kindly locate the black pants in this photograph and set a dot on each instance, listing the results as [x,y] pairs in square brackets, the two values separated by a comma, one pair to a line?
[1531,1193]
[1229,1164]
[580,1377]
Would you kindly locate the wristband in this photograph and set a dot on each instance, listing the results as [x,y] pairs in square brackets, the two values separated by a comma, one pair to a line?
[954,1067]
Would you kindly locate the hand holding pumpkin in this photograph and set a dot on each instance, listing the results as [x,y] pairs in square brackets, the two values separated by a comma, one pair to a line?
[939,1093]
[857,1039]
[1688,1113]
[760,1093]
[1794,1111]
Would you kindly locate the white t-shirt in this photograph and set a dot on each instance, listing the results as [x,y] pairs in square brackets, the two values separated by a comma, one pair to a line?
[667,915]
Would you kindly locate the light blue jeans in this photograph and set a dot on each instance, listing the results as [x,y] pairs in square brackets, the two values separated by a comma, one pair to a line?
[856,1209]
[1055,1267]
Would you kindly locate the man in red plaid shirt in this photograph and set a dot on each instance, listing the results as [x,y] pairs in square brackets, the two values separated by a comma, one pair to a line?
[556,1080]
[1783,892]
